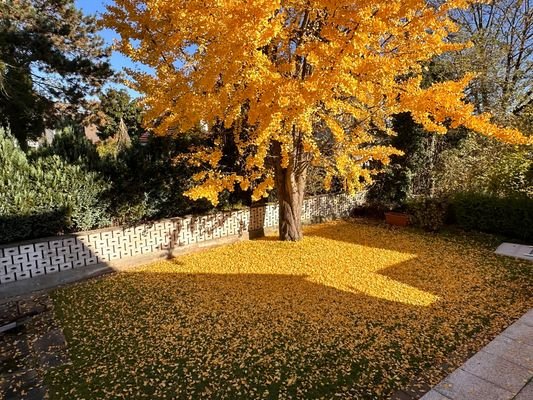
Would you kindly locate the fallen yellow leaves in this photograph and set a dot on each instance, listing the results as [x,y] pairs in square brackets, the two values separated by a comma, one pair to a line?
[352,311]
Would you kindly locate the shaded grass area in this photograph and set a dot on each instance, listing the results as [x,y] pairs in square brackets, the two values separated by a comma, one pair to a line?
[355,310]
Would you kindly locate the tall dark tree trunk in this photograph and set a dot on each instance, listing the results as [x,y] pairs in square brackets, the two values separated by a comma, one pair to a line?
[290,185]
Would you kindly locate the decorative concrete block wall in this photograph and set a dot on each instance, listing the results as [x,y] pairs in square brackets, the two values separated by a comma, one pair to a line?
[49,255]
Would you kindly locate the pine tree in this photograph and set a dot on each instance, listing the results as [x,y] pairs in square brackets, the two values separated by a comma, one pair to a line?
[113,108]
[49,53]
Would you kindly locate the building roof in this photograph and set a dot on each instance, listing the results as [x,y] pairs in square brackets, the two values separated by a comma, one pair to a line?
[91,133]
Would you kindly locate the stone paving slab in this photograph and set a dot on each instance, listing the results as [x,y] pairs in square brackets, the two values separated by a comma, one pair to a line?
[30,349]
[25,386]
[522,251]
[511,350]
[502,370]
[50,349]
[463,385]
[526,393]
[527,319]
[498,370]
[434,395]
[520,332]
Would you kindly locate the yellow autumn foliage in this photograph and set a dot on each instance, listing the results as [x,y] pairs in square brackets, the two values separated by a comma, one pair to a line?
[278,70]
[353,311]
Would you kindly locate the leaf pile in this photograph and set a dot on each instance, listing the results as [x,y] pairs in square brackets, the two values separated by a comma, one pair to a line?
[354,310]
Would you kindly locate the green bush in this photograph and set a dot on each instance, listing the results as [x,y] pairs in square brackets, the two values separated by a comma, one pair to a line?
[46,196]
[483,165]
[148,183]
[511,216]
[71,145]
[428,213]
[79,191]
[68,186]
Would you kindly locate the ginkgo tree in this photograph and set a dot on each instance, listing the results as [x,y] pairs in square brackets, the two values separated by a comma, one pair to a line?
[300,82]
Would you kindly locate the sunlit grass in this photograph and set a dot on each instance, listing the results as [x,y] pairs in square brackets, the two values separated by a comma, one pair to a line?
[354,311]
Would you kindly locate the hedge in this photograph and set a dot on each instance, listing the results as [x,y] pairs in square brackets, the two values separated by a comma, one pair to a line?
[511,217]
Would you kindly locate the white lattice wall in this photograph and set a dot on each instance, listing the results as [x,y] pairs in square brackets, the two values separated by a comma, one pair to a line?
[46,256]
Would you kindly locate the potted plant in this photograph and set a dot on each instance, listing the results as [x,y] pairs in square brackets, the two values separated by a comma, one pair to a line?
[396,215]
[397,218]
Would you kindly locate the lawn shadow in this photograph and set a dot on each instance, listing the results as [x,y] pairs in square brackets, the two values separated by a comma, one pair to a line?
[238,335]
[243,322]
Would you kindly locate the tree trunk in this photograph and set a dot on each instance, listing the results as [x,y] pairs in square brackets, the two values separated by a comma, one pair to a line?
[290,185]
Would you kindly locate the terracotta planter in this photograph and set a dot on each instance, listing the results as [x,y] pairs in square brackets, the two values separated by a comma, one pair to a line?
[397,218]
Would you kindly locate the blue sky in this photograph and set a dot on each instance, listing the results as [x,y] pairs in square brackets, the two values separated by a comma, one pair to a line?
[118,61]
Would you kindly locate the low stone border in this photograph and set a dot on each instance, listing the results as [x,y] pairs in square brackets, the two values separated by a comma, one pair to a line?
[502,370]
[44,283]
[35,258]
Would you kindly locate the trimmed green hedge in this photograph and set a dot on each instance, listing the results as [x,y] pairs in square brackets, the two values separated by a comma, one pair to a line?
[428,213]
[512,217]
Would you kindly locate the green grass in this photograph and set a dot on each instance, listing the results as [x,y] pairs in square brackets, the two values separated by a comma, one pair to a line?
[355,310]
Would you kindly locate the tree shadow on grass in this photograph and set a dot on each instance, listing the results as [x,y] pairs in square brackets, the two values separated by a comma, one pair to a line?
[240,336]
[221,336]
[281,320]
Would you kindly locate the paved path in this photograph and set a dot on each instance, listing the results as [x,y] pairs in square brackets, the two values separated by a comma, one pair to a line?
[502,370]
[27,352]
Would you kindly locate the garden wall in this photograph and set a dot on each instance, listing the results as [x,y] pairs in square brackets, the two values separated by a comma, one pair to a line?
[50,255]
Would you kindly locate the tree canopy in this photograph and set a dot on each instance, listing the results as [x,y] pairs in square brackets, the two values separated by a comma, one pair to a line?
[116,108]
[501,56]
[301,82]
[50,54]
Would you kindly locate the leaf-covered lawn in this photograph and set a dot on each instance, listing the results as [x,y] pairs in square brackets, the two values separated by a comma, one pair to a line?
[355,310]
